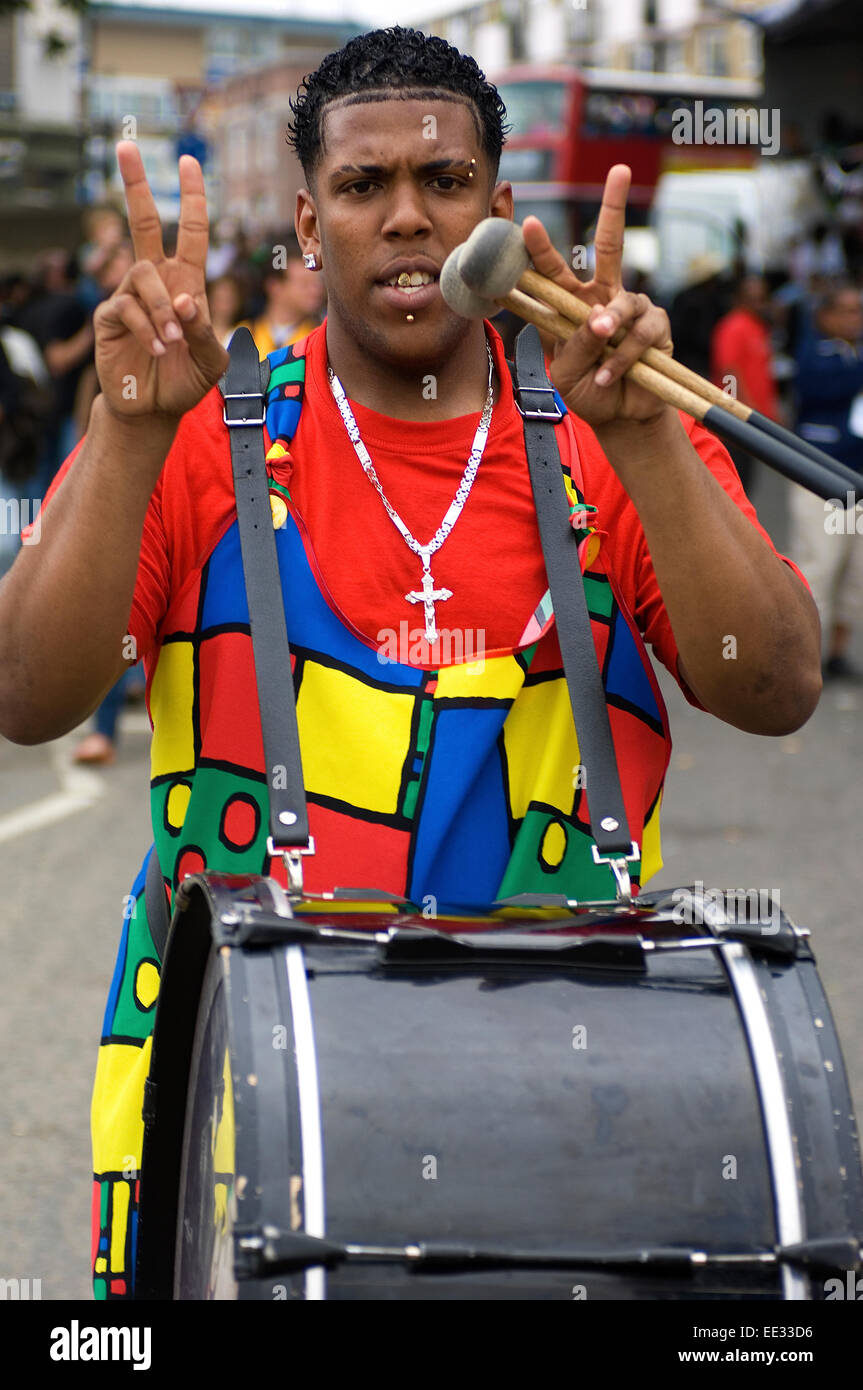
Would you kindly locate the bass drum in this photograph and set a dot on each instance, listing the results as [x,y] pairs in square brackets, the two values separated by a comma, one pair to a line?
[368,1106]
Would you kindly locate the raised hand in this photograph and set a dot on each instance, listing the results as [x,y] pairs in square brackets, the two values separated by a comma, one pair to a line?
[599,392]
[156,353]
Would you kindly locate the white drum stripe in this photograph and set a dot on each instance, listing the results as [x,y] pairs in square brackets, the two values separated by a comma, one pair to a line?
[790,1224]
[310,1111]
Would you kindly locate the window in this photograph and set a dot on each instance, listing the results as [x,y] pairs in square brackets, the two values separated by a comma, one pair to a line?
[714,53]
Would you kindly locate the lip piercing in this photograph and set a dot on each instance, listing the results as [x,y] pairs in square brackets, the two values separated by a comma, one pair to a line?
[409,318]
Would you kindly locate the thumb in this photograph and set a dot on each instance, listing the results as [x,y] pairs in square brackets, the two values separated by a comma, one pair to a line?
[204,347]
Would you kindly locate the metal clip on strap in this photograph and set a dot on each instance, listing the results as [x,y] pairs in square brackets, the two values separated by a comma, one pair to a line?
[618,865]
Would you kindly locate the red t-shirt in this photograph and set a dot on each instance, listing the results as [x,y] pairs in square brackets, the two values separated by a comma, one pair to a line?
[491,560]
[741,344]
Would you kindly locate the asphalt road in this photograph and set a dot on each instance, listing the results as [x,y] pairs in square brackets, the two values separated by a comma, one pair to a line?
[740,811]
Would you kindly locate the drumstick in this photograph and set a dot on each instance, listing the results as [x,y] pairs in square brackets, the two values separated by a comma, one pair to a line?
[569,307]
[496,259]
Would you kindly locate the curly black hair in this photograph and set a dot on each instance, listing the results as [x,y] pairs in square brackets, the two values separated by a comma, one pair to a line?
[402,63]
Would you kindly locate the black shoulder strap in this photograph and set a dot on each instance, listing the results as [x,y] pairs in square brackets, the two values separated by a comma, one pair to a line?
[535,401]
[244,387]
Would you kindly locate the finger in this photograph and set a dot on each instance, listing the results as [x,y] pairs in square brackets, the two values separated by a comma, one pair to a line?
[150,288]
[193,232]
[609,320]
[547,258]
[647,328]
[206,350]
[144,224]
[123,312]
[610,227]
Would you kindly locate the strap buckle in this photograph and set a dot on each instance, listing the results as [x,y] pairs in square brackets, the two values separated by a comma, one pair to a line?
[245,419]
[293,860]
[617,863]
[554,414]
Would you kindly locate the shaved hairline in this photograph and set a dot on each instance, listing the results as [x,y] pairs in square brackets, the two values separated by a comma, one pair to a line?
[400,94]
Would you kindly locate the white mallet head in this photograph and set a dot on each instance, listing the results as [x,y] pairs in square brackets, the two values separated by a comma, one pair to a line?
[456,293]
[494,258]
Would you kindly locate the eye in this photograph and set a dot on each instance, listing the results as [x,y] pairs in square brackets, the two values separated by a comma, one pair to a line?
[447,181]
[359,186]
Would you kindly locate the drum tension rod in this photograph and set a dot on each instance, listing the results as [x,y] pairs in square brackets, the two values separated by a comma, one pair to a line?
[269,1250]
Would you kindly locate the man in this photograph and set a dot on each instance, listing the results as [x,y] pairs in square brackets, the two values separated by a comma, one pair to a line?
[293,303]
[449,784]
[60,325]
[697,308]
[826,540]
[740,355]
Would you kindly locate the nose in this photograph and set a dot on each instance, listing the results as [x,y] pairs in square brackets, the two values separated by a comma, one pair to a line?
[407,215]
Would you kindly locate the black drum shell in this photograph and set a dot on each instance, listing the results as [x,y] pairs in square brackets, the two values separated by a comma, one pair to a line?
[492,1104]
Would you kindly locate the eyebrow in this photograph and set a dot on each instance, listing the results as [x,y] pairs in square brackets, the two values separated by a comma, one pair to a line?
[432,166]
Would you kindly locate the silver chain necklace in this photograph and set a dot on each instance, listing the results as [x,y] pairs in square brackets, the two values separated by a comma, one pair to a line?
[428,595]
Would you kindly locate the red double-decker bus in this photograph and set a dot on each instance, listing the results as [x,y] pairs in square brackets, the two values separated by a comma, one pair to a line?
[570,126]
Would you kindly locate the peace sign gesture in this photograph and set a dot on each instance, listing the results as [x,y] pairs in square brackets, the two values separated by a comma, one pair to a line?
[601,393]
[156,353]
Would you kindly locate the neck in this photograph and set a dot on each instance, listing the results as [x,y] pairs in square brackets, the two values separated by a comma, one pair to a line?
[402,390]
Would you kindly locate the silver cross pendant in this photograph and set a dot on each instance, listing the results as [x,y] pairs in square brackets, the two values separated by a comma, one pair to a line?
[428,596]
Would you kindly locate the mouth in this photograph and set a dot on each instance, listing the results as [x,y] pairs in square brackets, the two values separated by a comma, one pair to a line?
[410,285]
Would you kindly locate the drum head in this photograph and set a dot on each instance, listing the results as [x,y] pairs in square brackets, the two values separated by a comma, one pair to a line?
[207,1209]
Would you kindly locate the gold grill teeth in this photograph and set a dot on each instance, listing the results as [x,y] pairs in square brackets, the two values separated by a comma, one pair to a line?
[404,279]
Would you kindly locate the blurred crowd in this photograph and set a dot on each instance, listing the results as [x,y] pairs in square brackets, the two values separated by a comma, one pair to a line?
[48,376]
[789,344]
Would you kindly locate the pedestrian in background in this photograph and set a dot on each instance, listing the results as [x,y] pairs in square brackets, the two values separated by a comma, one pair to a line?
[63,329]
[294,300]
[825,541]
[697,308]
[741,355]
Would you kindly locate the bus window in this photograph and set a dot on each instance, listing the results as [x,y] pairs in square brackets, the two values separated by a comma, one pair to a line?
[535,108]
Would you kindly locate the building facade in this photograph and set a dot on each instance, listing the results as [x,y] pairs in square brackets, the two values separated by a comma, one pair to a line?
[696,37]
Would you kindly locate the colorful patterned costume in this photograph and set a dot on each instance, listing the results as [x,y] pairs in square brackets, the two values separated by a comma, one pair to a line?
[457,786]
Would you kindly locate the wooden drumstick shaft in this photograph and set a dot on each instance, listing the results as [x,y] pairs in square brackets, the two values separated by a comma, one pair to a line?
[561,327]
[821,477]
[569,307]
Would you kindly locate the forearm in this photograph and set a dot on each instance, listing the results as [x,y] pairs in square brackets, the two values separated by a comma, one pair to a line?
[64,606]
[746,629]
[61,357]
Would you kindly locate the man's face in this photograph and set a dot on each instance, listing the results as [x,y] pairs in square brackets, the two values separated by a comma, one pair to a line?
[394,193]
[844,317]
[293,293]
[754,295]
[307,288]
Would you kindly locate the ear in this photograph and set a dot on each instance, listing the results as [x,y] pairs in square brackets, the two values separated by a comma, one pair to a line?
[501,201]
[306,224]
